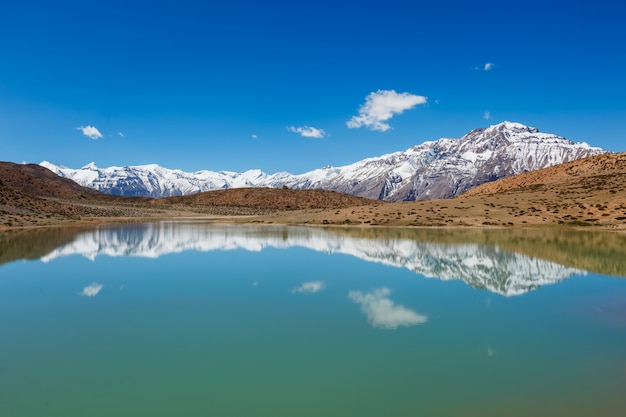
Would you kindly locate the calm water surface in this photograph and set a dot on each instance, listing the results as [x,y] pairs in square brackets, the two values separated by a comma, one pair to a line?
[191,319]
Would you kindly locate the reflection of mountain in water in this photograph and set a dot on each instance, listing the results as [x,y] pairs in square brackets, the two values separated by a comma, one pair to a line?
[481,266]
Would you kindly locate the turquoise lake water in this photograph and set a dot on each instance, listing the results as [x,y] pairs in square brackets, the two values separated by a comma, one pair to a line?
[191,319]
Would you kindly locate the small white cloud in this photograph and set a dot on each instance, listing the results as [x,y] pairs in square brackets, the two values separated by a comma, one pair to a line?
[255,137]
[382,312]
[91,290]
[381,106]
[308,131]
[120,134]
[90,131]
[310,287]
[487,115]
[487,67]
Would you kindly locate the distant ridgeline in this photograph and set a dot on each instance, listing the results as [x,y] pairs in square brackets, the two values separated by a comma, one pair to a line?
[479,265]
[439,169]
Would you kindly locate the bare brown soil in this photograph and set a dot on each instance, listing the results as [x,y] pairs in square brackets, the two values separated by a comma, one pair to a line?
[36,180]
[269,199]
[587,193]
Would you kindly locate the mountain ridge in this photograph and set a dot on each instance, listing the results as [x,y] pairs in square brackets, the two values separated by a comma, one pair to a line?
[443,168]
[480,266]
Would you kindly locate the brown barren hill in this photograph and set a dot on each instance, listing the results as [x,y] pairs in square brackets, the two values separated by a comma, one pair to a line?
[597,175]
[31,195]
[590,191]
[38,181]
[586,192]
[270,199]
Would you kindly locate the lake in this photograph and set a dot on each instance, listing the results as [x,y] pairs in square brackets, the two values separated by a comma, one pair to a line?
[194,319]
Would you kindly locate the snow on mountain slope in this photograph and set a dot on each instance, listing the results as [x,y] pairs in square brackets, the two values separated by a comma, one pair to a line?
[438,169]
[481,266]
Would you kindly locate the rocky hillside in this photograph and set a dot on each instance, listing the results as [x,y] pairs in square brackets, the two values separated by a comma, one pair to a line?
[439,169]
[39,181]
[269,199]
[31,195]
[605,174]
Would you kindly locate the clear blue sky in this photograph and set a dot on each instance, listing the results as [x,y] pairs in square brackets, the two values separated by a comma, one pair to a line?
[234,85]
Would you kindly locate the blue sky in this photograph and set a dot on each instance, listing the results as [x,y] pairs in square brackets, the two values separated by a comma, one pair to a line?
[293,86]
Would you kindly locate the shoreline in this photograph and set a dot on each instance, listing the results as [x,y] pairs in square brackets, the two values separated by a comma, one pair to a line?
[595,249]
[312,219]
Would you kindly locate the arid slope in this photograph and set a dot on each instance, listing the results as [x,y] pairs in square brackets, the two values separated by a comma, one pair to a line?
[586,192]
[36,180]
[31,195]
[270,199]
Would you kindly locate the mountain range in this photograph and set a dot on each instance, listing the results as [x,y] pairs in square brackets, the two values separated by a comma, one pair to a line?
[439,169]
[480,266]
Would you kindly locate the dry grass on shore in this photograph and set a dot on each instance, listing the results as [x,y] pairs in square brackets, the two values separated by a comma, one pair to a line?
[585,193]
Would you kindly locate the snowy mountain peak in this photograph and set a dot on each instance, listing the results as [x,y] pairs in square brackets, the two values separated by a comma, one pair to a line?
[484,267]
[436,169]
[512,127]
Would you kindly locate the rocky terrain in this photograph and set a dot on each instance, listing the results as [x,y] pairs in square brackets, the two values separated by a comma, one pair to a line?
[589,193]
[439,169]
[31,195]
[585,193]
[268,199]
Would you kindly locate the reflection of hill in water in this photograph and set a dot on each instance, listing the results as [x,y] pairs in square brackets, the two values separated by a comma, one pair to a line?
[33,244]
[503,261]
[599,252]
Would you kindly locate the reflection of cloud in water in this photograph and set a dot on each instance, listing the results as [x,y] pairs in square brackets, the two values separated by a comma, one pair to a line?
[310,287]
[382,312]
[481,266]
[91,290]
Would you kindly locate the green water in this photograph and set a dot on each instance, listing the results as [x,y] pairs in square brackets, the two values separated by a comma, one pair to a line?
[199,320]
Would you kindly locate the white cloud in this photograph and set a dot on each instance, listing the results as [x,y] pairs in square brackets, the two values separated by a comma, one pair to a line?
[382,312]
[381,106]
[487,115]
[255,137]
[487,67]
[91,290]
[90,131]
[120,134]
[308,131]
[310,287]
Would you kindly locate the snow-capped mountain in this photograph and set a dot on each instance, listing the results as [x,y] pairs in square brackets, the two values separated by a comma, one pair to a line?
[439,169]
[481,266]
